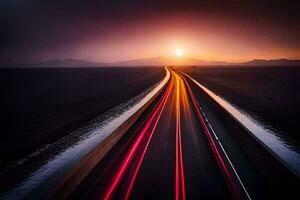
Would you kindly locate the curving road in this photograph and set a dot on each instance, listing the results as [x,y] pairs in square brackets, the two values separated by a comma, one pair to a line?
[178,150]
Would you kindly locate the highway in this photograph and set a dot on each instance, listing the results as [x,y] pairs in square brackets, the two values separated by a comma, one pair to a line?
[179,149]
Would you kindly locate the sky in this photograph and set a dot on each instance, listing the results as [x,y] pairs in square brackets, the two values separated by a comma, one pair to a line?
[114,30]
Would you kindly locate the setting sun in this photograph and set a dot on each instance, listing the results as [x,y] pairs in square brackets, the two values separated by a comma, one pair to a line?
[178,52]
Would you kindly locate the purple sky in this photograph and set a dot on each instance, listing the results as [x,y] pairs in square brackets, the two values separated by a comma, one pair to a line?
[105,31]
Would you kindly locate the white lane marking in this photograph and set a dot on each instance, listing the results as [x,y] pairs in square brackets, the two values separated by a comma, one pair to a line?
[227,157]
[219,142]
[204,116]
[234,170]
[213,131]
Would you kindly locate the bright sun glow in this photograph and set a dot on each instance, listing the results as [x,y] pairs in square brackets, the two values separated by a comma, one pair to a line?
[178,52]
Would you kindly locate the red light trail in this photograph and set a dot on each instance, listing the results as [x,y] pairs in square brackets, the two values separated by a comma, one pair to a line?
[214,148]
[132,162]
[126,162]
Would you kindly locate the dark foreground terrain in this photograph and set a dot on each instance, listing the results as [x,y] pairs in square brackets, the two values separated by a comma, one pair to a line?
[38,106]
[270,94]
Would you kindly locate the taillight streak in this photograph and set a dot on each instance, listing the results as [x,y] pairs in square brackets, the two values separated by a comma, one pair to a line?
[128,158]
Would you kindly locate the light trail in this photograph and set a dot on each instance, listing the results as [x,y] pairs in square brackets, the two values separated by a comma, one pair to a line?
[182,102]
[126,162]
[243,188]
[128,192]
[185,101]
[214,148]
[179,176]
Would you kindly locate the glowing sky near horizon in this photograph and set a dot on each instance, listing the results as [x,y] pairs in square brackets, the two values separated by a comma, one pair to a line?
[227,30]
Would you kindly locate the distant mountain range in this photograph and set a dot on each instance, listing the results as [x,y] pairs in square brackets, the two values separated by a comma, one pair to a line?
[155,61]
[272,62]
[159,61]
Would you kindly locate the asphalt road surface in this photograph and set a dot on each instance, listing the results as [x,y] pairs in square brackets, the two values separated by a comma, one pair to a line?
[180,149]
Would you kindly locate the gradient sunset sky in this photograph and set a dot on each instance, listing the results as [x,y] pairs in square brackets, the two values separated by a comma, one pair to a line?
[114,30]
